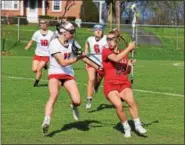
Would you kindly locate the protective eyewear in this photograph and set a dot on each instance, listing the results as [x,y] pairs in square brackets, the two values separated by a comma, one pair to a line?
[72,31]
[111,38]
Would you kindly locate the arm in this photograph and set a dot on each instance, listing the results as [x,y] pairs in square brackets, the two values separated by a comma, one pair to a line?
[118,57]
[29,44]
[65,62]
[86,47]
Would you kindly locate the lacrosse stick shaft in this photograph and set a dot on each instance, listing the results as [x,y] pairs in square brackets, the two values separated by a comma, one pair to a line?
[91,62]
[133,39]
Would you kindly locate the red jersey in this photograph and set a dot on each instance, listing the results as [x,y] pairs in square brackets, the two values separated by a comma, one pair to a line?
[115,72]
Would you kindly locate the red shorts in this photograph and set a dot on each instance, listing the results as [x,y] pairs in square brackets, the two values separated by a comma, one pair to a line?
[108,87]
[100,72]
[41,58]
[61,77]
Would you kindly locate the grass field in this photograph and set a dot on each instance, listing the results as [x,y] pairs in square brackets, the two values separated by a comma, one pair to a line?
[158,89]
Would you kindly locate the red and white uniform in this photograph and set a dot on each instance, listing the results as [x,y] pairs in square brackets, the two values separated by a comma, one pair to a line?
[97,47]
[55,69]
[42,42]
[115,73]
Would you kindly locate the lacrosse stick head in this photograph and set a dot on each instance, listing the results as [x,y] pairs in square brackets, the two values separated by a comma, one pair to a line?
[133,7]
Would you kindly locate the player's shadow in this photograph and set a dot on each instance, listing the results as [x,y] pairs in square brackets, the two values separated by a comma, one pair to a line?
[43,85]
[119,127]
[102,107]
[80,125]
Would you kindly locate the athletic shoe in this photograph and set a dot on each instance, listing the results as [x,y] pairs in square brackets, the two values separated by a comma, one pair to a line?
[127,131]
[88,104]
[45,126]
[36,83]
[75,111]
[140,129]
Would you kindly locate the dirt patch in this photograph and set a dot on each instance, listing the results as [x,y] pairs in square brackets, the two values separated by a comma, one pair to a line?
[6,53]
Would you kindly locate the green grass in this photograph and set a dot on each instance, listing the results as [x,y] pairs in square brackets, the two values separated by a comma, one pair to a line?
[169,36]
[158,90]
[23,107]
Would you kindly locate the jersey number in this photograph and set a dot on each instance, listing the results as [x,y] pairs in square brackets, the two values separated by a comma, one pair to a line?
[96,48]
[66,55]
[44,42]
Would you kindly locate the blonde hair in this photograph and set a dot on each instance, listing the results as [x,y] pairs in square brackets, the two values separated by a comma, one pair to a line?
[117,34]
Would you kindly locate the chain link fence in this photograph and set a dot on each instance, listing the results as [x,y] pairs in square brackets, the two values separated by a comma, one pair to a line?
[162,36]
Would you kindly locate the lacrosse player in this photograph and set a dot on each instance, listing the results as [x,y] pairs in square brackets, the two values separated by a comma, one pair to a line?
[42,37]
[117,86]
[94,45]
[61,73]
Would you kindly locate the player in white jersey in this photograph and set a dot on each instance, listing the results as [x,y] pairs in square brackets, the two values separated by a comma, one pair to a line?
[94,44]
[61,72]
[42,38]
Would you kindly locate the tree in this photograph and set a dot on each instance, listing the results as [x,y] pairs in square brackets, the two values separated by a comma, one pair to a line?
[89,11]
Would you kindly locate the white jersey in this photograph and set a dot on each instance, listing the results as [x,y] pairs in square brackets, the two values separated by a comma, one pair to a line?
[97,47]
[42,42]
[56,47]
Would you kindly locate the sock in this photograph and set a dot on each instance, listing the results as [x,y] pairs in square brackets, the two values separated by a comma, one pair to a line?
[47,119]
[89,98]
[137,122]
[36,81]
[126,125]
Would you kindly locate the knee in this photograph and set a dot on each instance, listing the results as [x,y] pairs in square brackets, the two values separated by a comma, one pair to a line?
[77,102]
[34,70]
[91,80]
[53,97]
[131,102]
[39,69]
[119,107]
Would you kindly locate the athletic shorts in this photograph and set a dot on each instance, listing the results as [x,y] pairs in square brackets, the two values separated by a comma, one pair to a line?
[108,87]
[61,77]
[100,72]
[41,58]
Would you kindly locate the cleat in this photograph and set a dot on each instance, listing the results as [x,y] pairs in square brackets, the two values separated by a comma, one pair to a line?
[140,129]
[75,112]
[45,128]
[127,133]
[88,104]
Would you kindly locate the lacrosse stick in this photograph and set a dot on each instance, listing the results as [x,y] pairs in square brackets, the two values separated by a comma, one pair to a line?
[133,8]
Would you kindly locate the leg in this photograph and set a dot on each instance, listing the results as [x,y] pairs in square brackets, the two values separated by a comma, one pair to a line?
[98,79]
[127,95]
[39,69]
[90,87]
[35,64]
[73,91]
[54,87]
[114,98]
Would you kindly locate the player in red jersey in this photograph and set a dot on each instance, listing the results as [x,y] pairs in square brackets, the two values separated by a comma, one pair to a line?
[42,37]
[117,86]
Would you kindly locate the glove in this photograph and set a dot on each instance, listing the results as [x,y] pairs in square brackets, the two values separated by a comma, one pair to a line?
[76,48]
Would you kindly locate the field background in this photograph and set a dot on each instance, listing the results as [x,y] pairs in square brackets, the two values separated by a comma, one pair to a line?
[158,90]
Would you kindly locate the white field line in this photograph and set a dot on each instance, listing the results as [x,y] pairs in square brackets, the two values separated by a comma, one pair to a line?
[136,90]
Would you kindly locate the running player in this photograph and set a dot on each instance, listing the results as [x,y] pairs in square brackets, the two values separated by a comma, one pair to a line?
[117,86]
[42,37]
[61,72]
[94,45]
